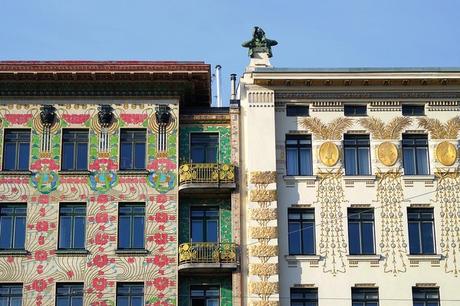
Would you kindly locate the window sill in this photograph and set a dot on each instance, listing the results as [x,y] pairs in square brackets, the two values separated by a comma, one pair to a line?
[133,172]
[14,252]
[74,172]
[364,257]
[132,252]
[418,177]
[425,257]
[15,172]
[359,177]
[299,178]
[303,258]
[72,252]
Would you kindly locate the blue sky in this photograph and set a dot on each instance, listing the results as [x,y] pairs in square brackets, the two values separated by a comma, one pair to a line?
[322,33]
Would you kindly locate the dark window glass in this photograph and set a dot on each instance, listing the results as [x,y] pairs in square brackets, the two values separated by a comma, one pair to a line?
[297,110]
[72,217]
[357,154]
[413,110]
[12,226]
[74,149]
[131,218]
[298,155]
[355,110]
[425,296]
[16,149]
[415,154]
[421,230]
[365,296]
[69,294]
[132,149]
[204,147]
[361,231]
[204,224]
[301,228]
[10,294]
[204,295]
[304,297]
[130,294]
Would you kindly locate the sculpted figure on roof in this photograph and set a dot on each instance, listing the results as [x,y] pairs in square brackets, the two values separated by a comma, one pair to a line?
[259,43]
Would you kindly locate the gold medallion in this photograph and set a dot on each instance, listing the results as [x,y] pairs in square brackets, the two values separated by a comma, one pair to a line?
[329,153]
[446,153]
[387,153]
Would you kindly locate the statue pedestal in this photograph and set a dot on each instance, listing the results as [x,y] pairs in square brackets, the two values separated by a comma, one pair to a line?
[259,60]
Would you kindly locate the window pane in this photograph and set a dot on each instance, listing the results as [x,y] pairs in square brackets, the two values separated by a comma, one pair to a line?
[82,156]
[124,232]
[77,301]
[292,161]
[354,238]
[294,238]
[211,154]
[20,232]
[427,238]
[212,228]
[306,162]
[197,155]
[138,232]
[79,233]
[363,159]
[368,238]
[9,156]
[6,227]
[122,301]
[126,156]
[16,301]
[308,238]
[422,161]
[67,156]
[65,232]
[140,156]
[136,301]
[350,161]
[197,231]
[414,238]
[409,161]
[23,156]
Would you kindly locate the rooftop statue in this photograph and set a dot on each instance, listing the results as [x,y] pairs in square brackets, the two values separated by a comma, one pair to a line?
[259,43]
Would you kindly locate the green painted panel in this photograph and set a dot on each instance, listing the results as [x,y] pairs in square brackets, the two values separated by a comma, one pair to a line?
[224,282]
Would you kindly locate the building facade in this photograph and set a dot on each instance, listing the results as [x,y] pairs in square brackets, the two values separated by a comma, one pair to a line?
[351,185]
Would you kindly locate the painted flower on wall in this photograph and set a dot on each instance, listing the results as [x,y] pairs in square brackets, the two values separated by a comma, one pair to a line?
[18,118]
[101,238]
[133,118]
[100,260]
[42,226]
[41,255]
[103,176]
[39,285]
[99,283]
[161,283]
[45,179]
[162,176]
[161,260]
[75,118]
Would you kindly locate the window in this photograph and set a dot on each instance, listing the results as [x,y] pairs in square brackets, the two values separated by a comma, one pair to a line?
[72,226]
[204,295]
[131,226]
[425,296]
[415,154]
[204,147]
[421,230]
[298,155]
[130,294]
[297,110]
[132,149]
[365,296]
[357,155]
[301,228]
[12,226]
[361,231]
[355,110]
[10,294]
[16,149]
[413,110]
[304,297]
[69,294]
[74,149]
[204,224]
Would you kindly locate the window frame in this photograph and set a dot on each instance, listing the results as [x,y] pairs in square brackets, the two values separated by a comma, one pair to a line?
[420,220]
[414,147]
[70,295]
[218,157]
[13,229]
[130,294]
[75,143]
[298,147]
[426,291]
[306,298]
[204,220]
[133,141]
[132,222]
[304,223]
[354,108]
[364,301]
[10,295]
[357,138]
[405,107]
[72,215]
[205,297]
[354,215]
[292,110]
[17,150]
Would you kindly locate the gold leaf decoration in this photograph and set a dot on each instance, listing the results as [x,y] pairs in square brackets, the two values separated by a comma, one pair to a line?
[263,269]
[263,288]
[380,130]
[439,130]
[265,303]
[263,195]
[263,213]
[263,177]
[331,131]
[264,232]
[263,250]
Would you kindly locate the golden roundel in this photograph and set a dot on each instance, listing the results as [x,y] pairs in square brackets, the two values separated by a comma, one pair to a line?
[387,153]
[38,125]
[329,153]
[446,153]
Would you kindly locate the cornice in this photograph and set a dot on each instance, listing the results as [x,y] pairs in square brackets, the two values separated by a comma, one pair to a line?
[367,95]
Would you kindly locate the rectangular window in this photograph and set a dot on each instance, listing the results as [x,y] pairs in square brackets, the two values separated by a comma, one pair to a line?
[16,149]
[204,295]
[304,297]
[361,231]
[298,155]
[301,228]
[72,219]
[131,218]
[132,149]
[10,294]
[74,149]
[365,296]
[204,147]
[425,296]
[130,294]
[421,230]
[357,154]
[70,294]
[415,154]
[204,224]
[12,226]
[413,110]
[355,110]
[297,111]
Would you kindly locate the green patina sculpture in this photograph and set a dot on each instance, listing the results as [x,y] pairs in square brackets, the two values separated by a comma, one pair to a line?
[259,43]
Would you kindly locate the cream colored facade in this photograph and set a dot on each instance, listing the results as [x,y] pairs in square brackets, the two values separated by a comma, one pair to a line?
[269,192]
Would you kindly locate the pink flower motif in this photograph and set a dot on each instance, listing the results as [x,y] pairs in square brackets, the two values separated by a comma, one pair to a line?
[75,118]
[18,118]
[70,274]
[43,164]
[39,269]
[101,238]
[161,198]
[10,259]
[99,283]
[102,217]
[41,255]
[161,283]
[103,164]
[41,226]
[43,199]
[160,238]
[130,260]
[39,285]
[133,118]
[161,163]
[161,260]
[100,260]
[161,217]
[102,199]
[41,240]
[99,303]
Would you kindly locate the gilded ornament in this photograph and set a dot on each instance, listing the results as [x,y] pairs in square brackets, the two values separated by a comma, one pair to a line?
[263,213]
[263,177]
[263,195]
[264,232]
[439,130]
[263,288]
[264,250]
[387,153]
[446,153]
[263,269]
[331,131]
[329,153]
[265,303]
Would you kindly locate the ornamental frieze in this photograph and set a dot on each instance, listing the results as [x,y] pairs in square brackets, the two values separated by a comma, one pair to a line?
[263,195]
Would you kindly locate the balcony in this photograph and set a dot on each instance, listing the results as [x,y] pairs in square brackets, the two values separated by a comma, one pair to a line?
[208,256]
[206,176]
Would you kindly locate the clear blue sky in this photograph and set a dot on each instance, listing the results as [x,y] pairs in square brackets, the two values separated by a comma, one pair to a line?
[321,33]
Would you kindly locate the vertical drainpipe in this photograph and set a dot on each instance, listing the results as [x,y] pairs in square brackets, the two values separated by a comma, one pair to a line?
[218,85]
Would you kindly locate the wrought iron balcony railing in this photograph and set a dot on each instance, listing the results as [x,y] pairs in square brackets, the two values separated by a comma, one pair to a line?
[211,173]
[208,253]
